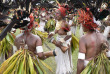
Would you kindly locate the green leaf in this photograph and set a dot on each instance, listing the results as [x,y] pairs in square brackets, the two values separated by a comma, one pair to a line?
[10,67]
[20,67]
[10,38]
[38,66]
[31,65]
[47,66]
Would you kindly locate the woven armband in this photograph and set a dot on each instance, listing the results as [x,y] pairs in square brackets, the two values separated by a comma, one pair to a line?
[54,53]
[39,49]
[81,56]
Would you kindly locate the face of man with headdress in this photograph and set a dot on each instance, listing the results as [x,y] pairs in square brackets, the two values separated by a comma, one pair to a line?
[43,16]
[58,15]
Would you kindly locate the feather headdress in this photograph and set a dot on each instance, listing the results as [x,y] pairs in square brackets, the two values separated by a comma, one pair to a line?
[86,18]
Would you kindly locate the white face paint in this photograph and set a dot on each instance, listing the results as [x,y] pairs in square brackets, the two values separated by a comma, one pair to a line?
[43,15]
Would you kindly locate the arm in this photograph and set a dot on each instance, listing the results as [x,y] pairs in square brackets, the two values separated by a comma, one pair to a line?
[16,44]
[81,57]
[14,49]
[50,53]
[67,37]
[63,45]
[39,49]
[108,51]
[52,34]
[59,44]
[68,33]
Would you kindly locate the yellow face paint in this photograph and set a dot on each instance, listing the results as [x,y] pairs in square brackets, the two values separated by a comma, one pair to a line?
[58,25]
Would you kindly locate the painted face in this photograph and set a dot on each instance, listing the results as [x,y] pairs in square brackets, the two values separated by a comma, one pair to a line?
[43,16]
[58,15]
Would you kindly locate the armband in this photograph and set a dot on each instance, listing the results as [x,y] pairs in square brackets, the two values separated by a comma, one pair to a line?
[81,56]
[108,54]
[39,49]
[54,53]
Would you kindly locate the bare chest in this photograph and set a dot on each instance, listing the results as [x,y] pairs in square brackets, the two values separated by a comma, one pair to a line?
[29,41]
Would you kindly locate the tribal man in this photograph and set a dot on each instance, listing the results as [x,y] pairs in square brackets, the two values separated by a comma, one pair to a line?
[29,41]
[90,43]
[42,21]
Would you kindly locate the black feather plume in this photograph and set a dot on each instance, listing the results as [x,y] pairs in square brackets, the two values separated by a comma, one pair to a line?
[103,15]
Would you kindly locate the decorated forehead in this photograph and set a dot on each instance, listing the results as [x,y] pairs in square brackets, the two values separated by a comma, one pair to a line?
[43,13]
[61,10]
[26,19]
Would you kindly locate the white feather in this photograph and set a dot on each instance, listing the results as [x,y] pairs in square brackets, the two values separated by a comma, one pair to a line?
[106,31]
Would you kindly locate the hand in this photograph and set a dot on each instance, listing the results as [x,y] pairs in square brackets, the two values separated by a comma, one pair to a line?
[50,35]
[58,43]
[54,42]
[64,48]
[45,57]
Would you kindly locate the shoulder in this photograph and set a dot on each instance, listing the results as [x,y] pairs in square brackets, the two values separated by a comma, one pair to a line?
[19,36]
[36,37]
[83,37]
[37,40]
[102,36]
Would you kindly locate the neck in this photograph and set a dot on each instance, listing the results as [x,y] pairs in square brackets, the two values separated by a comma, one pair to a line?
[26,32]
[90,32]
